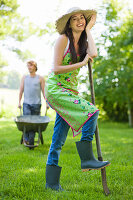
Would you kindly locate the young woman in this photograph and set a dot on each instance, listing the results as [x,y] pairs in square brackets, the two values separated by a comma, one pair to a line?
[73,49]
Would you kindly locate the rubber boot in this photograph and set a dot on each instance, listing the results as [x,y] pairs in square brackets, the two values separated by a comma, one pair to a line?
[88,160]
[53,177]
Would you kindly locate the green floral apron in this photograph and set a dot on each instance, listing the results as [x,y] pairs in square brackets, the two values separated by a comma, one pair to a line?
[61,93]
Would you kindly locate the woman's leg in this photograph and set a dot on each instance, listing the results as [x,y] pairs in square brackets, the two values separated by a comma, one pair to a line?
[59,137]
[84,147]
[89,128]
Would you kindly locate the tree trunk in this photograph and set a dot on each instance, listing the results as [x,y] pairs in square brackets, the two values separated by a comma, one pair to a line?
[130,116]
[130,113]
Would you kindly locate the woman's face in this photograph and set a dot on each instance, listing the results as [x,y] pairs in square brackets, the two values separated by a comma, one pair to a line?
[77,22]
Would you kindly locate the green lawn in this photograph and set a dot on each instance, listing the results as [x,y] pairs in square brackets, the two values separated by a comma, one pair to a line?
[22,171]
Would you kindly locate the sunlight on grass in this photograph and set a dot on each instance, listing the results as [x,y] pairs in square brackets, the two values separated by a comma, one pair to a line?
[125,140]
[30,170]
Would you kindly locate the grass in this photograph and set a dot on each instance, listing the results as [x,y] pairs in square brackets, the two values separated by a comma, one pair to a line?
[22,171]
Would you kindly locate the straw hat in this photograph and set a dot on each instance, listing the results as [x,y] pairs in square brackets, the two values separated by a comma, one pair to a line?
[61,22]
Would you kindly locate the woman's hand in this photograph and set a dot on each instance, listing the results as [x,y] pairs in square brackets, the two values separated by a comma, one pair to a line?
[86,59]
[91,22]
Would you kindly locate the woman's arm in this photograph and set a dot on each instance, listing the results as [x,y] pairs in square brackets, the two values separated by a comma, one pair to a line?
[58,57]
[92,49]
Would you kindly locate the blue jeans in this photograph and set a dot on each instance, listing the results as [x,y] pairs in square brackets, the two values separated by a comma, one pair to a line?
[33,109]
[60,134]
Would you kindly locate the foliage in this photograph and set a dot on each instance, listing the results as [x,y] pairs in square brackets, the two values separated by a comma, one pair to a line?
[14,29]
[12,24]
[113,69]
[113,73]
[22,171]
[3,62]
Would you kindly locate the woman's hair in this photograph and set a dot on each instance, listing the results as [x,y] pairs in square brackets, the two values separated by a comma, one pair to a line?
[82,43]
[33,63]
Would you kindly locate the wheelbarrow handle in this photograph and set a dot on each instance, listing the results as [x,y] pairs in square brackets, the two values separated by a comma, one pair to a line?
[46,111]
[20,111]
[20,108]
[47,107]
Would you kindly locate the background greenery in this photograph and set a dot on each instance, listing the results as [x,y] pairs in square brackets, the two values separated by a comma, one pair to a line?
[112,68]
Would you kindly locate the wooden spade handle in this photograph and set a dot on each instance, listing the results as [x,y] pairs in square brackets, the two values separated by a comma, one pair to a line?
[103,171]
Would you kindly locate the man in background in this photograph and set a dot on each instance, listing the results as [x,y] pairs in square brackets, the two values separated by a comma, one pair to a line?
[31,85]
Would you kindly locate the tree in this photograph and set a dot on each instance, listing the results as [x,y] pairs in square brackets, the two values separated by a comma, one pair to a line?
[14,29]
[114,72]
[113,69]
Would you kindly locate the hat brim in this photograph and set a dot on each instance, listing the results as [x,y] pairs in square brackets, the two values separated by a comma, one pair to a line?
[61,22]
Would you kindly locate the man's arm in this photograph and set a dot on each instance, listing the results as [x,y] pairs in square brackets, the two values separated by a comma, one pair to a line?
[42,82]
[21,90]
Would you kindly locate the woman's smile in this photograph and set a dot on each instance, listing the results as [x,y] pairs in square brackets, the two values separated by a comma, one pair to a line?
[80,25]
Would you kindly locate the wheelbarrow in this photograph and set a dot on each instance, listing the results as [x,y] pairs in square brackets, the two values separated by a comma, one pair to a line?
[36,123]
